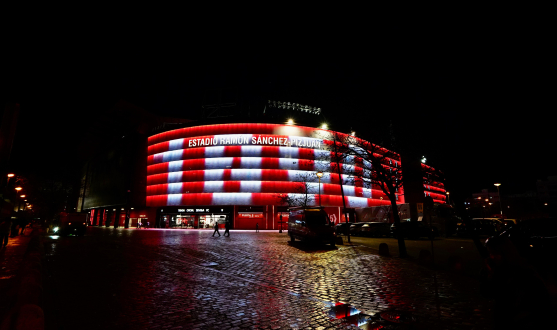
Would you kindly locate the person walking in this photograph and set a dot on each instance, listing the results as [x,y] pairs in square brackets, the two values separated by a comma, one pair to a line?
[23,226]
[257,227]
[216,229]
[227,228]
[15,227]
[5,227]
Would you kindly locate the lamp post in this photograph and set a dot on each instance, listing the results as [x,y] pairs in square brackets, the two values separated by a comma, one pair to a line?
[448,199]
[319,175]
[19,203]
[499,196]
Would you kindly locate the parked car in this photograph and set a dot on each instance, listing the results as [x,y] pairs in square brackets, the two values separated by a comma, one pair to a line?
[535,240]
[310,224]
[415,229]
[479,226]
[375,229]
[342,228]
[70,224]
[509,222]
[355,228]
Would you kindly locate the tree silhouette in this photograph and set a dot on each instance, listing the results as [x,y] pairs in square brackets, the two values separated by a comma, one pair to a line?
[304,192]
[381,168]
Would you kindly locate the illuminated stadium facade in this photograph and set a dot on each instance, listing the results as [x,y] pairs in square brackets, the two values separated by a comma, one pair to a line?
[179,173]
[244,173]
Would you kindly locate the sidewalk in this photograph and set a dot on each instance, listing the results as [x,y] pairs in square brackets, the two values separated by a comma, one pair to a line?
[11,258]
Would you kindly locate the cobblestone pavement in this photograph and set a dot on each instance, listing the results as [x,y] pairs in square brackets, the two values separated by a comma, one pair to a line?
[186,279]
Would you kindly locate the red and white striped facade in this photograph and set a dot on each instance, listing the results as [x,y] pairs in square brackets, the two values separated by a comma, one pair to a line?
[252,165]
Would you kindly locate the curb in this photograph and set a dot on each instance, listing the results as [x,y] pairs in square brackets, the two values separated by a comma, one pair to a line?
[26,314]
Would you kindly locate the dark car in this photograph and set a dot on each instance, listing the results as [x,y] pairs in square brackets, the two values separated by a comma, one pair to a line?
[535,240]
[70,224]
[355,228]
[310,224]
[375,229]
[342,228]
[479,226]
[415,229]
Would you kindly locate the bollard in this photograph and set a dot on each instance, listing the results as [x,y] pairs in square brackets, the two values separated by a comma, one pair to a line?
[424,258]
[384,250]
[30,317]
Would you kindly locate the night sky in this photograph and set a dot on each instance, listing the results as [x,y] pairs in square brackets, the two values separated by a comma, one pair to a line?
[482,115]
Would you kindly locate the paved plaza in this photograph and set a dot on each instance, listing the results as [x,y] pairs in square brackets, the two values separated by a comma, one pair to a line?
[186,279]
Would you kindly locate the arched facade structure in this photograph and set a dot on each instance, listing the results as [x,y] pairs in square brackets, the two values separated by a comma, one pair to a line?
[204,168]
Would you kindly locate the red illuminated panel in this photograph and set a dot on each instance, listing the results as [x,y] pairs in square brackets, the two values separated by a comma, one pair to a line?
[252,164]
[260,186]
[262,129]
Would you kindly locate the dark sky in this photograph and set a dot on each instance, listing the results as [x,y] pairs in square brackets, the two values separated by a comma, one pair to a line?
[482,113]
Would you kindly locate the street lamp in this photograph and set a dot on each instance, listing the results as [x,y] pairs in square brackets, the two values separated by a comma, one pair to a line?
[448,200]
[499,195]
[319,175]
[19,202]
[18,188]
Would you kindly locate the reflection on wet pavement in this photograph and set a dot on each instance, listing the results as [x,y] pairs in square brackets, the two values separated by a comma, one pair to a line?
[157,279]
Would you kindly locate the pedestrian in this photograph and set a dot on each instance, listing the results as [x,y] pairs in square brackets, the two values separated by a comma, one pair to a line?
[15,228]
[5,227]
[23,226]
[216,229]
[257,227]
[227,228]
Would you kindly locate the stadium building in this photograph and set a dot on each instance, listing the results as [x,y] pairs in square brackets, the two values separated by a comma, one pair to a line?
[247,173]
[191,174]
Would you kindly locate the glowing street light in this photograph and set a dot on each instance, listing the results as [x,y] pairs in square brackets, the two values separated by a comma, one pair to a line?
[11,175]
[290,122]
[499,195]
[319,175]
[18,188]
[22,196]
[324,126]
